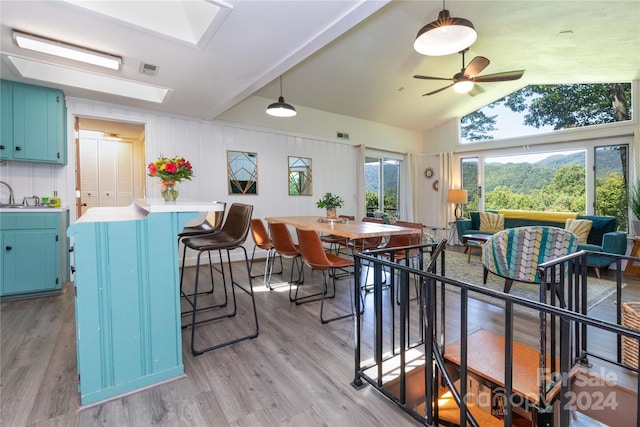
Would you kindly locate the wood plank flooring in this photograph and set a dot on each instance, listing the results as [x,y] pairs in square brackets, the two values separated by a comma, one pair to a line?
[297,372]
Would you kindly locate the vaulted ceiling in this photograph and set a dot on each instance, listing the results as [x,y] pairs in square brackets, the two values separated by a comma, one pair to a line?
[353,58]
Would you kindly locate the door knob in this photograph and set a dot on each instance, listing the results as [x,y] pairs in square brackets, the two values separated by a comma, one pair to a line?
[8,248]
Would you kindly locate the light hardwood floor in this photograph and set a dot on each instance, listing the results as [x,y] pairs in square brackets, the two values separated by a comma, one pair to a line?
[297,372]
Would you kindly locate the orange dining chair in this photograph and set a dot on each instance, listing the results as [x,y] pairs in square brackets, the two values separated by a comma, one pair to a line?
[262,240]
[315,257]
[286,248]
[335,242]
[401,241]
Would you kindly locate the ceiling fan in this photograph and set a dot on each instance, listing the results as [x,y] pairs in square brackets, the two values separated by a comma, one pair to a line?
[465,81]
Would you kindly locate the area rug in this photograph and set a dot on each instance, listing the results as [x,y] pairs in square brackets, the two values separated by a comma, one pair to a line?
[458,268]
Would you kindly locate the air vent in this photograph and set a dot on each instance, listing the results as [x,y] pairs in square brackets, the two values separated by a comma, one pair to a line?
[148,69]
[342,135]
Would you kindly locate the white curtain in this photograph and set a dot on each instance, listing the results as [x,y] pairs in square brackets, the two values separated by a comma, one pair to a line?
[447,181]
[361,202]
[409,186]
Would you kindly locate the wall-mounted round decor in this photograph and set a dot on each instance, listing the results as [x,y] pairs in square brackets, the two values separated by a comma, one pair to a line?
[435,185]
[428,172]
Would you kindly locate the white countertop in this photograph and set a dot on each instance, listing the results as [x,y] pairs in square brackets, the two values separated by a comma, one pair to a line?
[38,209]
[159,205]
[143,207]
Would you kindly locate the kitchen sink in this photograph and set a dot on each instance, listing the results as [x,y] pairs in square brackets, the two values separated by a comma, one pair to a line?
[15,206]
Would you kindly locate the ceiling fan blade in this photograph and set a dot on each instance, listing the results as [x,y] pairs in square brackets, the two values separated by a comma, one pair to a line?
[418,76]
[476,90]
[500,77]
[476,66]
[439,90]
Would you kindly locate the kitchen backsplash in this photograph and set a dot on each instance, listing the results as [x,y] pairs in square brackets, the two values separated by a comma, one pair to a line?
[34,179]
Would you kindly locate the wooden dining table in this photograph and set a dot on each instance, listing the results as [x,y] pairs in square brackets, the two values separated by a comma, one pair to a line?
[349,229]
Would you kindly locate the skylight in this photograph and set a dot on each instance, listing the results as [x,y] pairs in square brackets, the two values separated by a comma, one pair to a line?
[70,77]
[192,21]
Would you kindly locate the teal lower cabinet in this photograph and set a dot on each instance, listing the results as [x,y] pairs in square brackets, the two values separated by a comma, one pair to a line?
[128,333]
[32,253]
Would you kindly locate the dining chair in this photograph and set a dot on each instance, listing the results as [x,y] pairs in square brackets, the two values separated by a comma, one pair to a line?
[211,223]
[367,243]
[336,242]
[231,236]
[262,240]
[401,241]
[314,255]
[286,248]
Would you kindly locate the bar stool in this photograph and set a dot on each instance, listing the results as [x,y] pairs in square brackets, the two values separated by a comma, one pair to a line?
[211,224]
[262,240]
[231,236]
[314,256]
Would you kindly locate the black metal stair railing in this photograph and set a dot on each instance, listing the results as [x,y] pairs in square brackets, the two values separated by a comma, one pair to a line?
[563,326]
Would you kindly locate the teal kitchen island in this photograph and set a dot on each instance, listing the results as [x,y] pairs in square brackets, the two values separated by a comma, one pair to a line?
[128,334]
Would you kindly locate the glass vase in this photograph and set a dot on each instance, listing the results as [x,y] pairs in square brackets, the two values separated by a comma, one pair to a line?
[169,190]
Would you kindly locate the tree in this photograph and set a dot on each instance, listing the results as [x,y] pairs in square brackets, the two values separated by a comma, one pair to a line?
[571,105]
[477,126]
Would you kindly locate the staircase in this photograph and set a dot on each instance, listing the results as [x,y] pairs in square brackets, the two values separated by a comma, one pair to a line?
[438,383]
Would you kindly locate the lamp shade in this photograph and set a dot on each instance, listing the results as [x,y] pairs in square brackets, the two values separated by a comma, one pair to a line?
[445,36]
[281,109]
[457,196]
[463,86]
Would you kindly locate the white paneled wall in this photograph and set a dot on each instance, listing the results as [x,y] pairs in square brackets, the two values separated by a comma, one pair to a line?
[205,145]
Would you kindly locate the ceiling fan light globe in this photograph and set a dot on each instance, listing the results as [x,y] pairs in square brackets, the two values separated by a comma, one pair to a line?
[281,109]
[464,86]
[445,36]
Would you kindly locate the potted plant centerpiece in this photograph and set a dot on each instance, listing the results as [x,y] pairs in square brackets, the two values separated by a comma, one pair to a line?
[634,204]
[330,202]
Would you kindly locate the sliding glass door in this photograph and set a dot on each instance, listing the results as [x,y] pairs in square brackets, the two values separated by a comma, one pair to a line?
[382,185]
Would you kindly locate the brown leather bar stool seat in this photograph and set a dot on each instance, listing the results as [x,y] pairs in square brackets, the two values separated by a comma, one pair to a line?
[211,224]
[231,236]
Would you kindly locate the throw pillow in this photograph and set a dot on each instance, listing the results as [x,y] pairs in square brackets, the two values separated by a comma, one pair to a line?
[579,227]
[387,218]
[491,222]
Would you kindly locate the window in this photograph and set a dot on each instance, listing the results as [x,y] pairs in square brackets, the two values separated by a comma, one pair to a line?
[470,183]
[548,108]
[543,182]
[382,185]
[612,177]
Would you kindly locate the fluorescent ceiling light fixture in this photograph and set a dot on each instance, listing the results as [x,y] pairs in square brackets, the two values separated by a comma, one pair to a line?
[281,108]
[192,22]
[445,35]
[66,50]
[76,78]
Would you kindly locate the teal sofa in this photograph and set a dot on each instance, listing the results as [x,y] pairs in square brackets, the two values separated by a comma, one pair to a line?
[603,236]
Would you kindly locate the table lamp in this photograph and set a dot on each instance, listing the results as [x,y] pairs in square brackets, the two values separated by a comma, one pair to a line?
[459,197]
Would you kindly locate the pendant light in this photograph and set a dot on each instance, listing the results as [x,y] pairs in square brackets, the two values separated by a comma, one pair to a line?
[445,35]
[281,108]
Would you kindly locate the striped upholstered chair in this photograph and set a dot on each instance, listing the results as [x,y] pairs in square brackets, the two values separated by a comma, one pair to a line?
[515,253]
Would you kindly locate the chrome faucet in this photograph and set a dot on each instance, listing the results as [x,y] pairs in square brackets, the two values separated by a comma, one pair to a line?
[12,201]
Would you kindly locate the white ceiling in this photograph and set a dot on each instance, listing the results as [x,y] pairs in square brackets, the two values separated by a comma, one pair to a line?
[353,58]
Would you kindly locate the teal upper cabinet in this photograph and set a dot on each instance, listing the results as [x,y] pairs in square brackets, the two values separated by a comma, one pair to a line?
[33,124]
[6,123]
